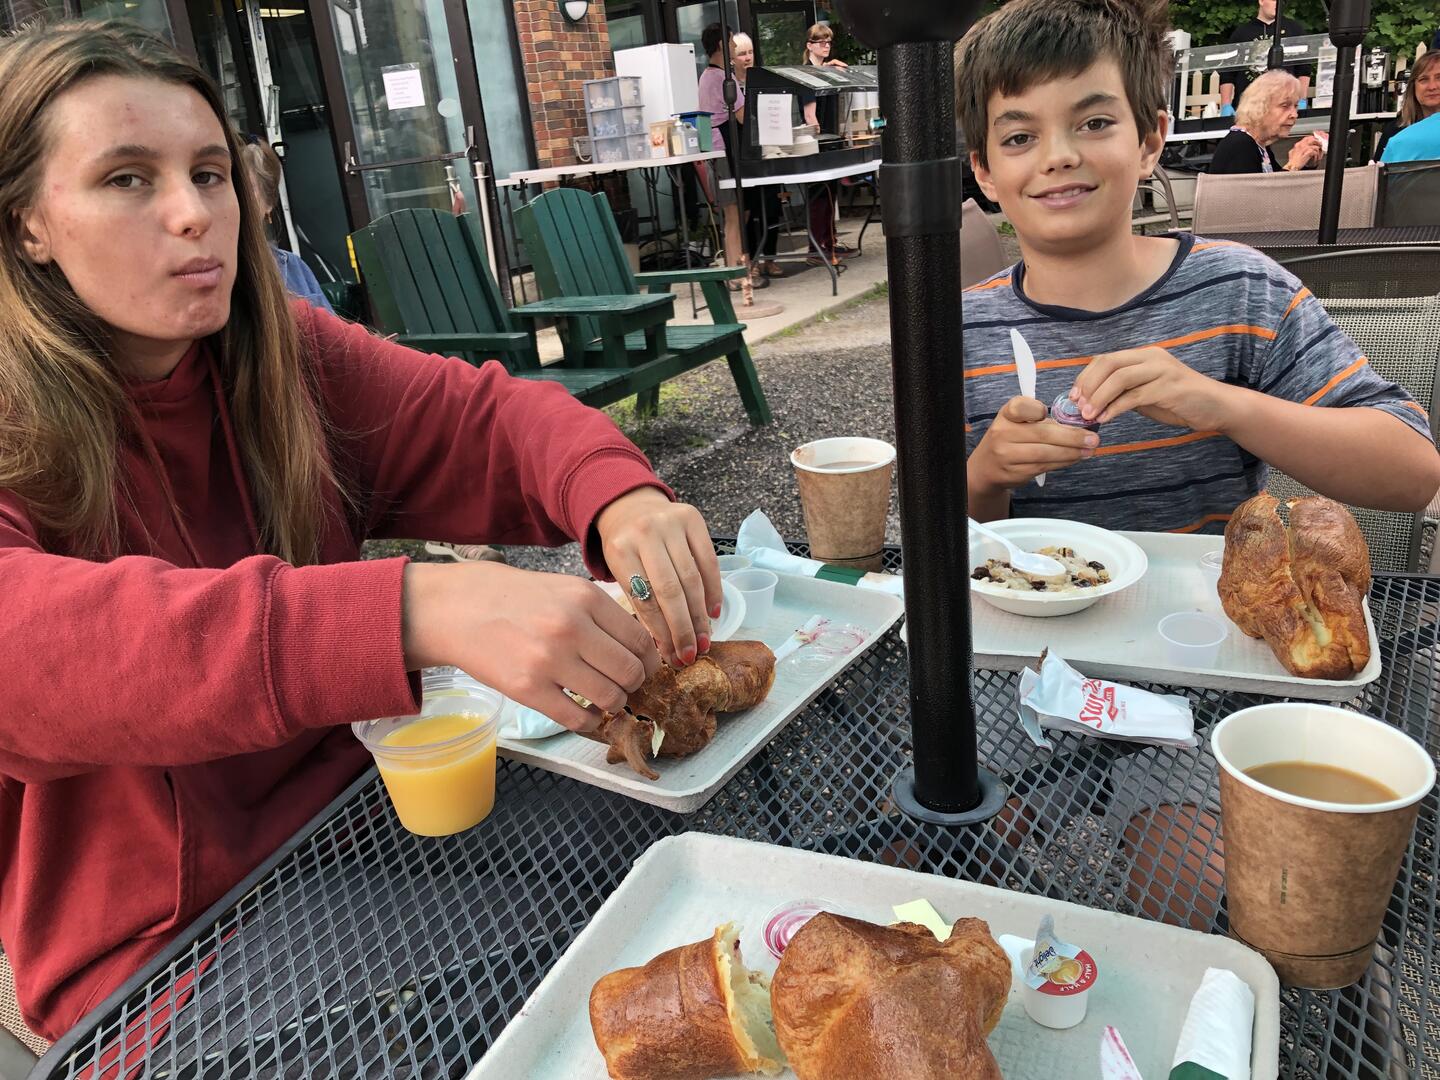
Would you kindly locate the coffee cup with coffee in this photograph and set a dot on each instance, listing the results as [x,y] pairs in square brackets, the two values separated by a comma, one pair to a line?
[1317,807]
[845,495]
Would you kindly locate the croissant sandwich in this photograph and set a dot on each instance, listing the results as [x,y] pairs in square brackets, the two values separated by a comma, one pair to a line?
[1301,590]
[857,1001]
[691,1013]
[673,714]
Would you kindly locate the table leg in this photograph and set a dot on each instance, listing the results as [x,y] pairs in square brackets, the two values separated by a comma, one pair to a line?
[825,257]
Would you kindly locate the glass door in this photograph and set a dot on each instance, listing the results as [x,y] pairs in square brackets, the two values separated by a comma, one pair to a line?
[691,19]
[413,127]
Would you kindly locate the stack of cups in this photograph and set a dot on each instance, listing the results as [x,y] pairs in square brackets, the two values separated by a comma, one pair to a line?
[845,494]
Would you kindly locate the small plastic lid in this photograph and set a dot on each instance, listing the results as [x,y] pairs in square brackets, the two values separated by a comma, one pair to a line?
[444,691]
[1075,975]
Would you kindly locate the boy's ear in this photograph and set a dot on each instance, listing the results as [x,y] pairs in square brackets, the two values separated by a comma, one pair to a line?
[1153,144]
[982,177]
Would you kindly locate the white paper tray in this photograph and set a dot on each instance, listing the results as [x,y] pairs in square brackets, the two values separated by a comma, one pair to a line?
[687,783]
[1117,637]
[685,886]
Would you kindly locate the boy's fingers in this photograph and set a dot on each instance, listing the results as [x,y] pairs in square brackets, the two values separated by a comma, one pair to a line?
[1115,384]
[1024,410]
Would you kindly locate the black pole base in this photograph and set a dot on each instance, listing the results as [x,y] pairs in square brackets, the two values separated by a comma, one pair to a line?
[993,793]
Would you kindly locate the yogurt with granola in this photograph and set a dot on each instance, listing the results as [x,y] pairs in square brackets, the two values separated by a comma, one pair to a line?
[1078,573]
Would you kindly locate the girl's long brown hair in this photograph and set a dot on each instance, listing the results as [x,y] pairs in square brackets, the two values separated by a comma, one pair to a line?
[1410,111]
[63,405]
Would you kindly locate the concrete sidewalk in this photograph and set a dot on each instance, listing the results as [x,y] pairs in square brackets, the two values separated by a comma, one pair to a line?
[803,296]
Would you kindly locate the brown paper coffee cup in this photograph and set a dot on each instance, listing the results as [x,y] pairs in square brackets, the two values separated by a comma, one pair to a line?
[1307,882]
[845,495]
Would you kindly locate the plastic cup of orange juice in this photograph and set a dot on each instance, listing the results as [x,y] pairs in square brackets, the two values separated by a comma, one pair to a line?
[439,765]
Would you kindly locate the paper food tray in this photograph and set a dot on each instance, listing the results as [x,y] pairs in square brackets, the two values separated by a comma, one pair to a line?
[1117,638]
[687,783]
[685,886]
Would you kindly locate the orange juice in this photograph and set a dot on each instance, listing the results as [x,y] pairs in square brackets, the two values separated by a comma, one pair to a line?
[450,790]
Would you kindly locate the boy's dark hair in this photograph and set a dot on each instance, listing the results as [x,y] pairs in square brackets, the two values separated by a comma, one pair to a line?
[1033,41]
[710,39]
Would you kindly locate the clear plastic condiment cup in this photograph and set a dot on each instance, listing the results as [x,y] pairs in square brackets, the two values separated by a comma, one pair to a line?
[1211,563]
[439,764]
[1192,639]
[729,564]
[758,588]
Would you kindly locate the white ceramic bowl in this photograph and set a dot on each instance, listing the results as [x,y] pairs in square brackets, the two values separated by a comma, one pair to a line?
[1124,560]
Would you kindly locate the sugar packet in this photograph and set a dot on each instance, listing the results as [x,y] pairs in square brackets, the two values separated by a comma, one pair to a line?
[1059,698]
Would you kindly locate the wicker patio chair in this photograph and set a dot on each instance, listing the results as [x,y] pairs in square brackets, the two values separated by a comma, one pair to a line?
[20,1047]
[1368,273]
[981,253]
[1271,202]
[1401,337]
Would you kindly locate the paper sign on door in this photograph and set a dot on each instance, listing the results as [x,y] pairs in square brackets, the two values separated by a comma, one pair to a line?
[404,87]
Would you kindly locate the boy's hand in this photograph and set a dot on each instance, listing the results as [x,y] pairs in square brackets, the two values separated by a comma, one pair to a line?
[1153,383]
[1024,442]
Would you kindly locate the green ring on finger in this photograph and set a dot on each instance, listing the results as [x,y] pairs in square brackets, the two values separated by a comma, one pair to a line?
[639,587]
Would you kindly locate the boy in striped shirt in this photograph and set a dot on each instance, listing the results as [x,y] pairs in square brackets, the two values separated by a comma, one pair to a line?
[1202,361]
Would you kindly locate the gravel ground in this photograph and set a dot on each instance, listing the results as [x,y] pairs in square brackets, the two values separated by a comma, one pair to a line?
[830,377]
[824,378]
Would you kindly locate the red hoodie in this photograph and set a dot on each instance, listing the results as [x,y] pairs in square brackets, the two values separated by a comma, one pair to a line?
[171,716]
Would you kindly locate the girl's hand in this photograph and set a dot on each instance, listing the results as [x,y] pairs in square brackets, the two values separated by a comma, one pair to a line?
[667,545]
[531,636]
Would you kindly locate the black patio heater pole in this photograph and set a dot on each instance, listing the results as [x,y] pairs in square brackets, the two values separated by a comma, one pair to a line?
[1277,36]
[1349,22]
[921,184]
[731,90]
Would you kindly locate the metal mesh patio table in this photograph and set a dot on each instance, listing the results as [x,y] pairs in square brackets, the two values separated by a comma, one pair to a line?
[358,950]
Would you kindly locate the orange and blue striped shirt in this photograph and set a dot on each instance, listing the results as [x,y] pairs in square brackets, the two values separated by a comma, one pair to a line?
[1222,308]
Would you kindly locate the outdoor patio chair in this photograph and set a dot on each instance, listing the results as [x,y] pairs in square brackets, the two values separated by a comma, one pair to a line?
[576,251]
[1159,184]
[981,253]
[1410,194]
[1368,273]
[430,285]
[1273,202]
[1401,338]
[19,1046]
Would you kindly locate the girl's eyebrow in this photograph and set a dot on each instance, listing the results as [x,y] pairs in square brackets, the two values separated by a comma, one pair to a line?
[132,151]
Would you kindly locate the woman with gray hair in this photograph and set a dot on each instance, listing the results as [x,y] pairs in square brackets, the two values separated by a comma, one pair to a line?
[1266,113]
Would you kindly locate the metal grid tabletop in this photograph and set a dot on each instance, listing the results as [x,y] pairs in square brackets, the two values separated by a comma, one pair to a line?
[360,950]
[1376,236]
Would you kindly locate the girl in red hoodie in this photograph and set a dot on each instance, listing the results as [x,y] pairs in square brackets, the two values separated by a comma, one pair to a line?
[188,466]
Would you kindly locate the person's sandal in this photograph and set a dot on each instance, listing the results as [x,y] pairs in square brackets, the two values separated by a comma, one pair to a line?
[758,280]
[770,268]
[466,552]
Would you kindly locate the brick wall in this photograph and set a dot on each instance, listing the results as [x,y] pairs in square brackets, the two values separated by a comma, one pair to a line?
[559,56]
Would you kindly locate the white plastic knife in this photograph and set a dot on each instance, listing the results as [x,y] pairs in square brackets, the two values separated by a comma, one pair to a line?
[1025,373]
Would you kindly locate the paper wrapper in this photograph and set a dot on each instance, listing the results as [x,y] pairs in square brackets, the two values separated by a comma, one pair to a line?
[760,542]
[1308,888]
[1059,698]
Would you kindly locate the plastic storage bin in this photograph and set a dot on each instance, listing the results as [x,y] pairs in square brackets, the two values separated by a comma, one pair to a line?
[621,148]
[620,91]
[606,123]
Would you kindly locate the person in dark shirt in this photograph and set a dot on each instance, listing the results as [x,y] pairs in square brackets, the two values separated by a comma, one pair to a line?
[1233,83]
[823,111]
[1266,114]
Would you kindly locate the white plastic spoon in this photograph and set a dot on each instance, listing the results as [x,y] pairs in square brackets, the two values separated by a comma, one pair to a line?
[1024,561]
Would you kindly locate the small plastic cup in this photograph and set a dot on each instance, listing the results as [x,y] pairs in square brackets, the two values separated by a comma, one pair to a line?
[731,563]
[1211,563]
[439,765]
[758,588]
[1192,638]
[785,921]
[1059,1003]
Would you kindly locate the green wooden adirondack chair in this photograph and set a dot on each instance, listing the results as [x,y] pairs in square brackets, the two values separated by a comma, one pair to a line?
[575,247]
[430,285]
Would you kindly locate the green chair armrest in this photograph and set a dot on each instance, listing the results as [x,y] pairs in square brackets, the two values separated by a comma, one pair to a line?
[476,342]
[698,274]
[593,306]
